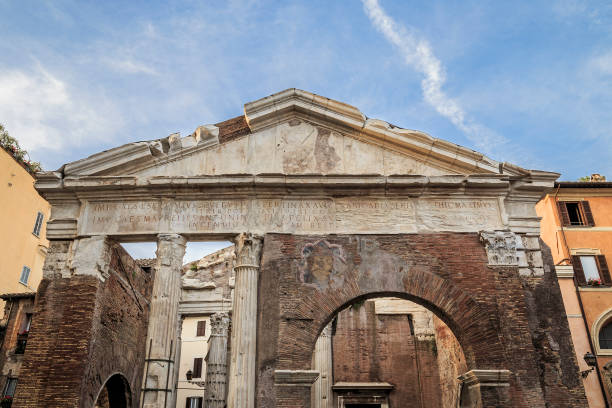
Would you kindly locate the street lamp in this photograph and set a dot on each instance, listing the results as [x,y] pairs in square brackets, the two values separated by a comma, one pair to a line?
[189,375]
[591,361]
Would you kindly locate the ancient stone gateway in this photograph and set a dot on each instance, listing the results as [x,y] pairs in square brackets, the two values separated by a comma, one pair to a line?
[327,208]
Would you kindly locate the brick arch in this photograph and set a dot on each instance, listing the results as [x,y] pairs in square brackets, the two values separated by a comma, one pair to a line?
[307,280]
[467,319]
[114,392]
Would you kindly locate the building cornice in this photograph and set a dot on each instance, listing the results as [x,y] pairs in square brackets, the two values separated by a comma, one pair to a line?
[54,188]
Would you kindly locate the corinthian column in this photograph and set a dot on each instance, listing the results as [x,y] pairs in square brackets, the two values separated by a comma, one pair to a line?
[216,362]
[163,322]
[241,392]
[322,362]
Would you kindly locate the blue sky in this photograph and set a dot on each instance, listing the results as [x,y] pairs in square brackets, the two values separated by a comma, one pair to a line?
[526,82]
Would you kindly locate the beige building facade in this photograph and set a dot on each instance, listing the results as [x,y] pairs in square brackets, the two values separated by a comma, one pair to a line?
[23,218]
[194,346]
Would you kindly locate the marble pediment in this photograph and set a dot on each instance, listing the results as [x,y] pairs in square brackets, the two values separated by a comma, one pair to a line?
[293,133]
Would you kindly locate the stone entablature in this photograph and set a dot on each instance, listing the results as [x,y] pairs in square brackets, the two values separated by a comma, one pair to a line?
[434,203]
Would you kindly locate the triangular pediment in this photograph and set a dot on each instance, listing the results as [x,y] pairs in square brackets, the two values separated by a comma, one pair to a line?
[292,132]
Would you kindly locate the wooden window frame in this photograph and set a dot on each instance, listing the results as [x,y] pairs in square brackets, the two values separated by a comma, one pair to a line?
[197,367]
[602,268]
[38,224]
[198,399]
[27,277]
[201,328]
[586,215]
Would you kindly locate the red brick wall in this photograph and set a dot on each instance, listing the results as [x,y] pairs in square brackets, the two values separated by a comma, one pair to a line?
[83,331]
[306,280]
[380,348]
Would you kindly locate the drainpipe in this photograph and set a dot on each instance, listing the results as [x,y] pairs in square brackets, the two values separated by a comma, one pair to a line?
[584,320]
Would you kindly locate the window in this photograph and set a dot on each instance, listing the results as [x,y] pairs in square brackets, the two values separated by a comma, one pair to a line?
[38,224]
[201,331]
[194,402]
[25,324]
[197,367]
[9,387]
[591,270]
[25,275]
[575,213]
[605,336]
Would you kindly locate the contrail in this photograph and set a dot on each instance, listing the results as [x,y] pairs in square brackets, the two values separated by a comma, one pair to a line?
[418,54]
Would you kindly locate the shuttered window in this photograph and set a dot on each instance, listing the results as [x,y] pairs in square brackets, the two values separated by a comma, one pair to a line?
[591,268]
[9,387]
[38,224]
[197,367]
[193,402]
[25,275]
[575,213]
[201,331]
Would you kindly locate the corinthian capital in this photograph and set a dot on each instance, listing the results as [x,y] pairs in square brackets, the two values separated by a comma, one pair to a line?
[248,249]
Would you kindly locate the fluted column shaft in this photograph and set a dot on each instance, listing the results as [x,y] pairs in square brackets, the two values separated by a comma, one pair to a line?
[216,362]
[241,390]
[163,322]
[322,362]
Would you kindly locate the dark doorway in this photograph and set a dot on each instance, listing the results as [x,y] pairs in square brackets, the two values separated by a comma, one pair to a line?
[115,393]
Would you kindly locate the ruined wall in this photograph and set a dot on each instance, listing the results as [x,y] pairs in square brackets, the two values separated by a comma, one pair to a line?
[306,280]
[84,330]
[451,363]
[382,348]
[210,278]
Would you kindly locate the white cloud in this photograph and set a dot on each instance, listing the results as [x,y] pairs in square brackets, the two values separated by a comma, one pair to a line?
[418,54]
[44,113]
[601,64]
[130,66]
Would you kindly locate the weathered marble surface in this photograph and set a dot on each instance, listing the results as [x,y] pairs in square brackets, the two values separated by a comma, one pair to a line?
[308,215]
[295,147]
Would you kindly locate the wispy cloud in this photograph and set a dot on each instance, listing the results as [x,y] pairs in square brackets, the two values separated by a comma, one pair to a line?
[45,113]
[130,66]
[418,53]
[601,64]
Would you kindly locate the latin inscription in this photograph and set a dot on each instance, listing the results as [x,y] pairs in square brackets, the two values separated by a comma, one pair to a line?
[325,215]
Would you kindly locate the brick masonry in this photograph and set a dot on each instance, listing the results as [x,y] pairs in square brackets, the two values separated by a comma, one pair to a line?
[381,348]
[83,331]
[501,320]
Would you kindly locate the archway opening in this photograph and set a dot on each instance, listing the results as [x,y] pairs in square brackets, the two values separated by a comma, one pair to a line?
[383,351]
[115,393]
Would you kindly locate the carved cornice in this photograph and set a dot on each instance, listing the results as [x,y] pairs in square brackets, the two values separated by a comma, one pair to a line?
[304,378]
[53,188]
[292,103]
[486,378]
